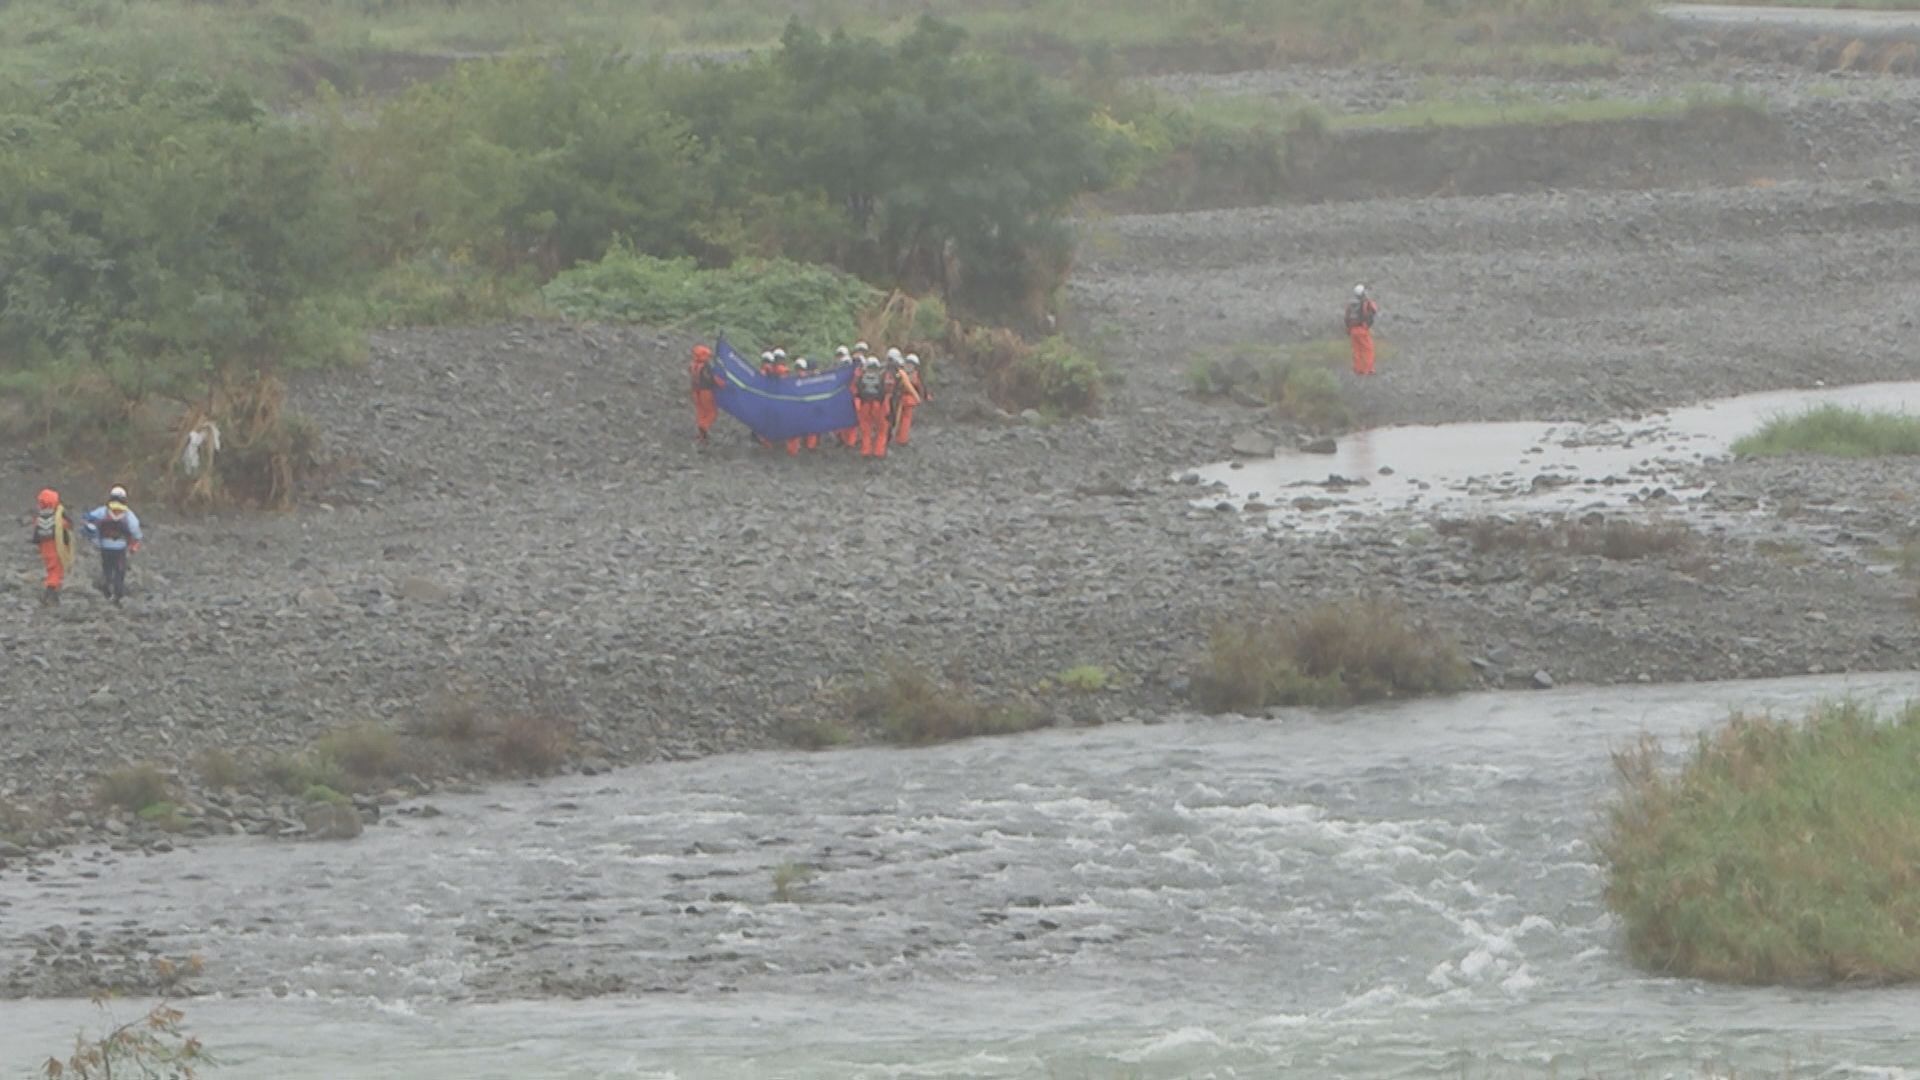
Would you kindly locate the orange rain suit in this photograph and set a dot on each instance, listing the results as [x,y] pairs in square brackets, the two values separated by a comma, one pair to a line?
[1360,315]
[871,410]
[914,391]
[705,382]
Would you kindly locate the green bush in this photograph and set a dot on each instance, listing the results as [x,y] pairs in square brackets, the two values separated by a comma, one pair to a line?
[1835,431]
[1331,655]
[220,769]
[365,751]
[164,816]
[1311,397]
[1779,852]
[808,310]
[1055,376]
[1086,679]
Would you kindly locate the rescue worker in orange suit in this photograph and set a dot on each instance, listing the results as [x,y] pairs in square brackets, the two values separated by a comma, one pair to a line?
[913,393]
[802,367]
[1361,311]
[872,396]
[706,383]
[53,535]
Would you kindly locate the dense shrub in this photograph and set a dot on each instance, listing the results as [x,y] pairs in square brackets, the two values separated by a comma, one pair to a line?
[1055,376]
[1334,654]
[1779,852]
[806,309]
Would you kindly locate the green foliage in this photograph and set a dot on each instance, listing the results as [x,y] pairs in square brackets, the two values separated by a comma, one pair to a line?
[1311,397]
[133,787]
[1780,852]
[1085,679]
[164,816]
[1835,431]
[1298,381]
[1056,376]
[911,707]
[807,310]
[321,793]
[163,236]
[1334,654]
[299,772]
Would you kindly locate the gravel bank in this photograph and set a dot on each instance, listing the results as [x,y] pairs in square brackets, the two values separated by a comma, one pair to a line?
[523,513]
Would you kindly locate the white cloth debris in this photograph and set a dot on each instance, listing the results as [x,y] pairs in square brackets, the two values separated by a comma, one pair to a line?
[207,434]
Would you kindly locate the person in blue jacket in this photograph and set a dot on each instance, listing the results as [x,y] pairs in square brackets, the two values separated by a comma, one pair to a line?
[115,530]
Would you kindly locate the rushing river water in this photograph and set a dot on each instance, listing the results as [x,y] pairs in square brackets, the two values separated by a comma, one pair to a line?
[1401,891]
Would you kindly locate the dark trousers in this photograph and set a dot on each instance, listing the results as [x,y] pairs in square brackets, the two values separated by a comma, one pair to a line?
[113,568]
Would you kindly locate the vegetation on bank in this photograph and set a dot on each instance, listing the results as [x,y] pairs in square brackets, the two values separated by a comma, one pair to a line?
[1296,381]
[1835,431]
[178,250]
[906,705]
[353,43]
[1779,852]
[1331,655]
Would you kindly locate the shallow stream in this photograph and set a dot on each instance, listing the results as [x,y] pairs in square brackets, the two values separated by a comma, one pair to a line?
[1518,466]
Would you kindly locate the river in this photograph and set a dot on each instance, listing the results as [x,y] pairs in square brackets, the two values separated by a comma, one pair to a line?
[1394,891]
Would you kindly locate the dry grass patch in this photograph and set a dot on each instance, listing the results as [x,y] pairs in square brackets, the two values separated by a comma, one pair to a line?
[133,787]
[911,707]
[1779,851]
[1334,654]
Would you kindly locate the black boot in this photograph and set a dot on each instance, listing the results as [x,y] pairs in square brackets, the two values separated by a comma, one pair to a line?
[51,596]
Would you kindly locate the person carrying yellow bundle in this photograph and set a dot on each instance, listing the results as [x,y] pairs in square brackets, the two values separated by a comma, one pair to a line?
[53,535]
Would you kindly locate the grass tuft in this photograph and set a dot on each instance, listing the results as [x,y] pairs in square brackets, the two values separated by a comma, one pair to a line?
[788,879]
[220,769]
[1334,654]
[1835,431]
[532,744]
[912,708]
[133,787]
[1779,852]
[1086,679]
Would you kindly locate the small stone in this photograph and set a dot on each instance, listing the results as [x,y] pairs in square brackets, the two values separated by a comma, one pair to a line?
[332,821]
[1252,444]
[1322,445]
[1542,680]
[422,590]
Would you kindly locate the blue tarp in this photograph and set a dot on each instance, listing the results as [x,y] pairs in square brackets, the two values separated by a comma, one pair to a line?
[778,409]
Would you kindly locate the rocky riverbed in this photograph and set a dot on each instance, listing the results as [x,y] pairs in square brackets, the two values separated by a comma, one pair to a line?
[521,516]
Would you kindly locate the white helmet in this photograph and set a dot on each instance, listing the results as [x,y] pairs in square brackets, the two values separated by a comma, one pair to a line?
[860,346]
[802,363]
[117,493]
[766,357]
[914,359]
[841,353]
[1359,290]
[779,354]
[893,355]
[869,361]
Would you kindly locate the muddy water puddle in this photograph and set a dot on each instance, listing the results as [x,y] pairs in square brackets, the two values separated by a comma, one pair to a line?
[1519,467]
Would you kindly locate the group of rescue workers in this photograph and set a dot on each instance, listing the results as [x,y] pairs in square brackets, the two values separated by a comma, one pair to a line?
[112,527]
[886,391]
